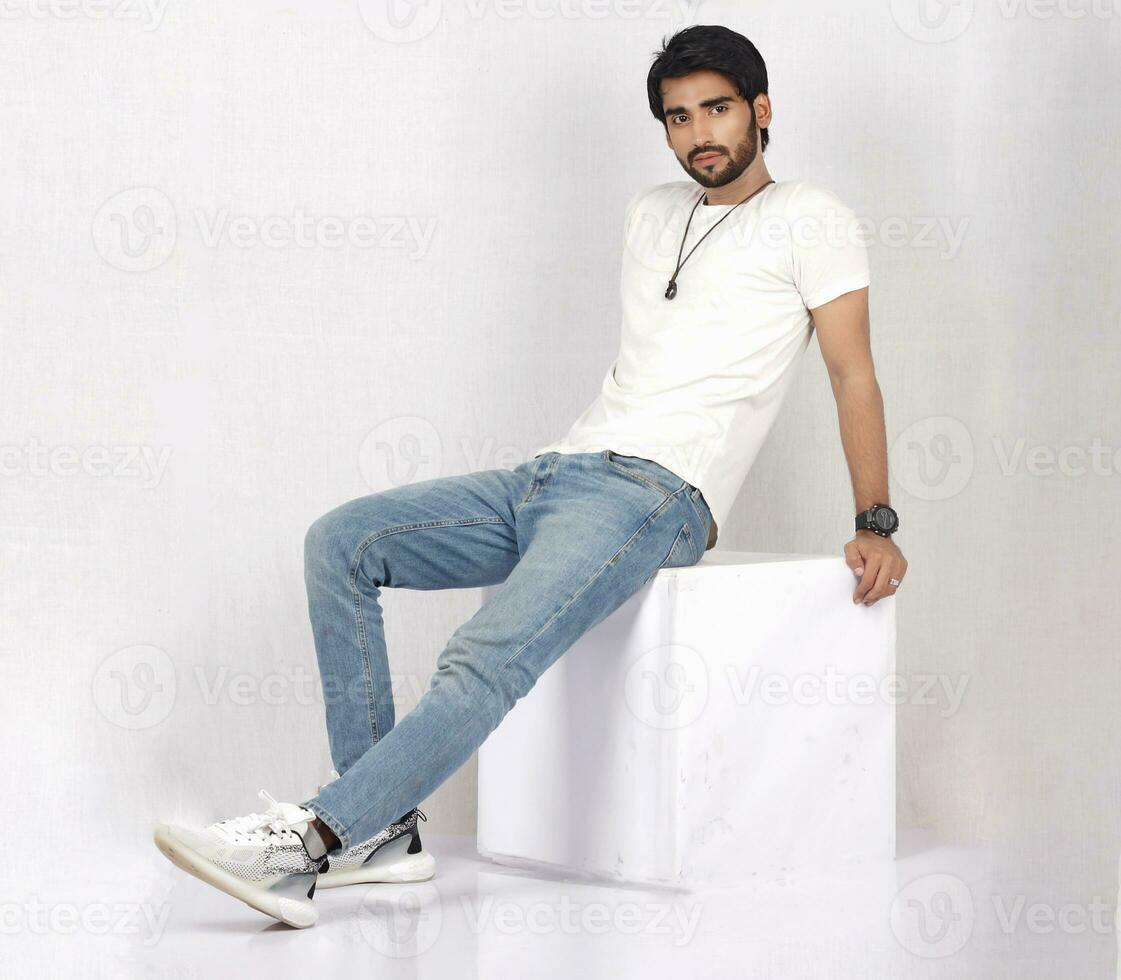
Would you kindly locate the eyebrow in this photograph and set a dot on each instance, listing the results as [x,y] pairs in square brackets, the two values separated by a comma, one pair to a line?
[707,104]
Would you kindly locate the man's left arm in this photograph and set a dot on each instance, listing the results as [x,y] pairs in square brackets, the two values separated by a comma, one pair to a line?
[843,334]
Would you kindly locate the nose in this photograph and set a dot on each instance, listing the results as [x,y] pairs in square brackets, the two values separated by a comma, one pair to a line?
[702,140]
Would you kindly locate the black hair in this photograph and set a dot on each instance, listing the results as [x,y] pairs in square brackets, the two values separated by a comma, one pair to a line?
[714,48]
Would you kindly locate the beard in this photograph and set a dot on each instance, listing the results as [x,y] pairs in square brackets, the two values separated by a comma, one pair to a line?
[734,164]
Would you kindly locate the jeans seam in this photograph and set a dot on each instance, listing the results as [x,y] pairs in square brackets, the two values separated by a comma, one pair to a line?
[579,592]
[692,545]
[683,533]
[367,670]
[538,480]
[705,521]
[638,478]
[359,621]
[343,833]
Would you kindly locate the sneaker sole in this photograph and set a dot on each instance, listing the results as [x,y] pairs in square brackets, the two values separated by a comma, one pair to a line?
[290,911]
[388,865]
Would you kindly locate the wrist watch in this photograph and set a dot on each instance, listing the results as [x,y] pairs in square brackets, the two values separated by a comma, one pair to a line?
[880,519]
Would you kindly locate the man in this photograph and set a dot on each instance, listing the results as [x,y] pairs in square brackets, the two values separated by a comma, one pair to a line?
[722,286]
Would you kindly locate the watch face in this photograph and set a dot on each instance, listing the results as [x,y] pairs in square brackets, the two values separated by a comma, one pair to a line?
[884,518]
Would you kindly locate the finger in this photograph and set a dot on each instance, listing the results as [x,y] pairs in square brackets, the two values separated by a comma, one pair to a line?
[898,572]
[853,559]
[881,588]
[868,579]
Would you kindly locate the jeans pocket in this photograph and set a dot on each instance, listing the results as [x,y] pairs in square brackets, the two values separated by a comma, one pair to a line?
[644,471]
[683,551]
[704,515]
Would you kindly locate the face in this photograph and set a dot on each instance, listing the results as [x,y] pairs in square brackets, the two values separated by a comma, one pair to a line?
[710,128]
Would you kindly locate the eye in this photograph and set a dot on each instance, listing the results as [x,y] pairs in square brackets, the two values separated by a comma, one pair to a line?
[715,107]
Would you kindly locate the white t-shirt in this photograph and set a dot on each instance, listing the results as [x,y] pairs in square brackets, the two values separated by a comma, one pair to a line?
[699,379]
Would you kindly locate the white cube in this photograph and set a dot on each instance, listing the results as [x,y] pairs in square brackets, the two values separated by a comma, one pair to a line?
[733,717]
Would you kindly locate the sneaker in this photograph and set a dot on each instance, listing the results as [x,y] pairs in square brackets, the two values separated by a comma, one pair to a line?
[259,858]
[394,854]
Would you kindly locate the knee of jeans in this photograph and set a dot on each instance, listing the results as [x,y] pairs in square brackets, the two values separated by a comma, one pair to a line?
[329,541]
[466,670]
[316,540]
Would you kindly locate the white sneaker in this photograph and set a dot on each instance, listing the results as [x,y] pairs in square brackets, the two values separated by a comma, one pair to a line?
[259,858]
[393,854]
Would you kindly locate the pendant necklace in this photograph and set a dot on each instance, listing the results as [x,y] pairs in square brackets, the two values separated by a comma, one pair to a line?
[671,289]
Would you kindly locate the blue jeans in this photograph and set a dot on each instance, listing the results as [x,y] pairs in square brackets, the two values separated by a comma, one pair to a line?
[570,536]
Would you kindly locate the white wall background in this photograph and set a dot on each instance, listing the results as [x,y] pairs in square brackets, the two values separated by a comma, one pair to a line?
[183,394]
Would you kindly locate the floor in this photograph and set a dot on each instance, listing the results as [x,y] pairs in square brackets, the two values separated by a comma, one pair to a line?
[934,912]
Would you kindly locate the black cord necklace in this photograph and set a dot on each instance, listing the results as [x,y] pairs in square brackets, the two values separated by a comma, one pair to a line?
[671,289]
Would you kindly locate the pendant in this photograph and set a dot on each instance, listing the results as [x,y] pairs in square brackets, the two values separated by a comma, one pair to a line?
[671,290]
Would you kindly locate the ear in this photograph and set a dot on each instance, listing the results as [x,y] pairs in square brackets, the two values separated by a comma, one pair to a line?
[763,112]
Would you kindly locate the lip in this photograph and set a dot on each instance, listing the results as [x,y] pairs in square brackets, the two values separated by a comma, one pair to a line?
[707,158]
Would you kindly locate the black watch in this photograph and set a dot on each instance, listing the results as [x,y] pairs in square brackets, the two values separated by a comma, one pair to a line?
[880,519]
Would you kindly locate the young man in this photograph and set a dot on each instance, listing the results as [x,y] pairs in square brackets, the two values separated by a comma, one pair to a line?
[724,278]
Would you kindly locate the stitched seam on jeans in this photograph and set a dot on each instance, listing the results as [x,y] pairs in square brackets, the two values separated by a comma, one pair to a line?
[606,565]
[530,494]
[706,522]
[344,837]
[360,623]
[538,481]
[367,673]
[637,477]
[676,541]
[451,522]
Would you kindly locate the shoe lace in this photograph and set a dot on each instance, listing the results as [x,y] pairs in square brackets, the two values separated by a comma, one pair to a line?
[237,824]
[278,819]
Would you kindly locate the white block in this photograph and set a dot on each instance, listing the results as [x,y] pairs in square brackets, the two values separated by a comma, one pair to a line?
[731,718]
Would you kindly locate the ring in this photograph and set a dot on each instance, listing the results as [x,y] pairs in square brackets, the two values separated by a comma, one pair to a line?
[893,581]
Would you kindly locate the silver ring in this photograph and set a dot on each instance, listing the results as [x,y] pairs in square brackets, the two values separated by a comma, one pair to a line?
[893,581]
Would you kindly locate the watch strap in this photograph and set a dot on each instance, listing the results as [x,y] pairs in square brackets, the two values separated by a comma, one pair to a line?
[865,521]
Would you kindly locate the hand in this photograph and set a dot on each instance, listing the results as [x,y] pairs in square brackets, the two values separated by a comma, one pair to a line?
[874,559]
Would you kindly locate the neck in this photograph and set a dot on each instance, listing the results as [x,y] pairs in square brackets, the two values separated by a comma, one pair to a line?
[744,185]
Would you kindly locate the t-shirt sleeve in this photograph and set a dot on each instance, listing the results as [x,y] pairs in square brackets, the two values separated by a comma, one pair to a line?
[828,246]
